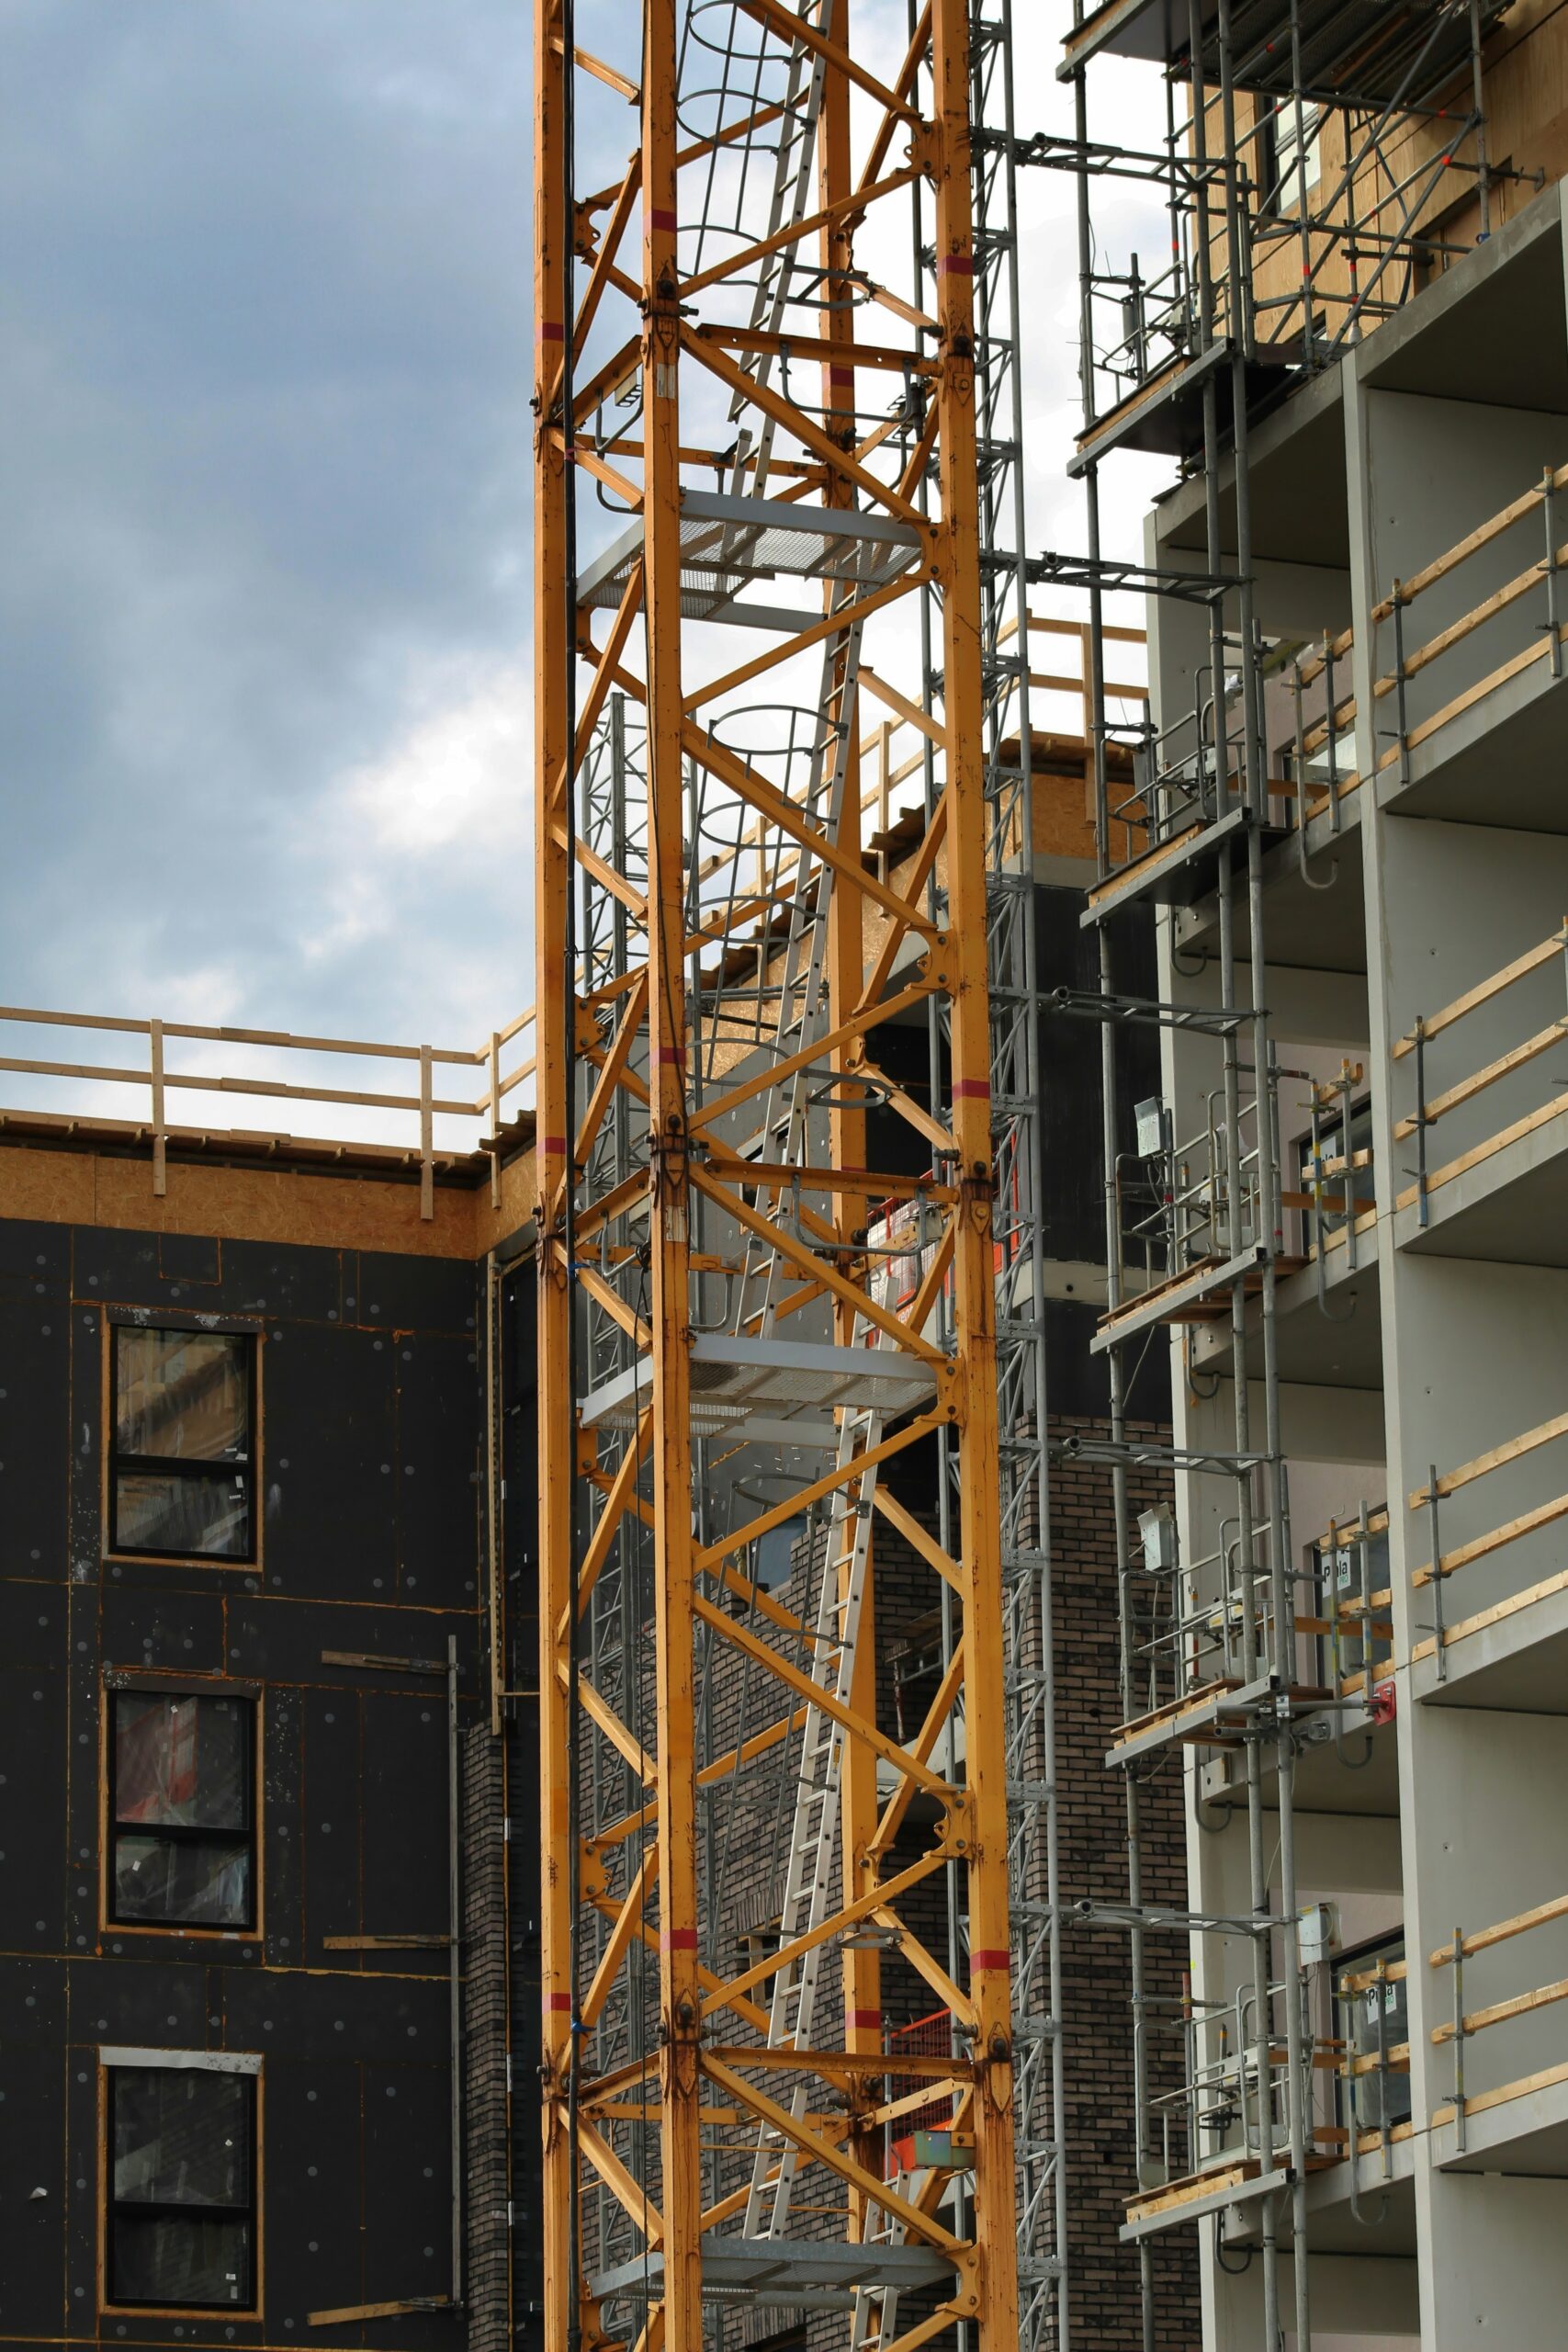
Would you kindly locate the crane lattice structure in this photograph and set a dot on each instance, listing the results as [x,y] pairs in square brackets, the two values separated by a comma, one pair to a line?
[788,1117]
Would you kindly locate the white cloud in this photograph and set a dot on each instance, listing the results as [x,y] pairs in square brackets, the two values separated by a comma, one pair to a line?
[460,772]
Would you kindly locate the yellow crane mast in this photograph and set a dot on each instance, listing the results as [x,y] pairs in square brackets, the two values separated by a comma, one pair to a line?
[656,336]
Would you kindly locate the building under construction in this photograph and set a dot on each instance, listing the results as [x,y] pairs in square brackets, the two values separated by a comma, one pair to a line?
[853,1639]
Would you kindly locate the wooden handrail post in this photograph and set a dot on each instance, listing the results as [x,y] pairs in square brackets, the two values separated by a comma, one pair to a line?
[496,1118]
[160,1137]
[426,1138]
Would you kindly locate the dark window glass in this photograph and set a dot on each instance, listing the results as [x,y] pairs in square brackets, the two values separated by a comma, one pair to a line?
[184,1414]
[180,2191]
[181,1815]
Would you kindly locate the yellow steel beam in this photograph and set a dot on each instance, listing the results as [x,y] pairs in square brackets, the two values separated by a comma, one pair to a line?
[554,653]
[958,561]
[917,2224]
[642,1282]
[680,1994]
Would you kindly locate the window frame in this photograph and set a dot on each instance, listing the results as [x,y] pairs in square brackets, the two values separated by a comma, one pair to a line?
[180,1466]
[113,2060]
[1285,184]
[151,1684]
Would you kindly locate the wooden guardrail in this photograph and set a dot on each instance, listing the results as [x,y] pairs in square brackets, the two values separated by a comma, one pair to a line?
[1465,2024]
[1442,1565]
[160,1080]
[1430,1109]
[1339,714]
[892,754]
[421,1103]
[1406,593]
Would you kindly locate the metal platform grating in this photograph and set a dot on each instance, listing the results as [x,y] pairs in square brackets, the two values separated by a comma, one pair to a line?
[729,544]
[774,1391]
[796,2274]
[1366,53]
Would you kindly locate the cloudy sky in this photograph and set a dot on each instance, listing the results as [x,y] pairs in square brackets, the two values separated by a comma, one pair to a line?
[264,337]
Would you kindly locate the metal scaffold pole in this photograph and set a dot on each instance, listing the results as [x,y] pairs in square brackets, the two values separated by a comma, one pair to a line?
[1019,1084]
[1276,193]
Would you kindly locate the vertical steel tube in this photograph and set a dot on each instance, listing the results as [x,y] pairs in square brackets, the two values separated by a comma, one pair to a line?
[1478,101]
[455,1962]
[1028,979]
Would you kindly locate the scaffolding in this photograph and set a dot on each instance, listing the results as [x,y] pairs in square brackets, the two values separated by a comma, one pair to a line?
[788,1240]
[1318,166]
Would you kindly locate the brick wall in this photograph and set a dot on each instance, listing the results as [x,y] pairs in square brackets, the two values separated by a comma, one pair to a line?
[744,1826]
[1097,1983]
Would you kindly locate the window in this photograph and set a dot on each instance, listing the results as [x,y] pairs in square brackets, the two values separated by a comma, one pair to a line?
[1281,154]
[181,2196]
[184,1443]
[182,1830]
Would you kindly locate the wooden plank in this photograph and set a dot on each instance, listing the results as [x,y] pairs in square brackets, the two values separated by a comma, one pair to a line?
[349,2313]
[224,1035]
[1338,646]
[1472,695]
[1368,2140]
[1484,1463]
[1483,1151]
[1506,1930]
[386,1943]
[1141,398]
[1173,1709]
[1198,2183]
[1488,609]
[1321,798]
[1504,1067]
[1483,536]
[1482,1546]
[1316,737]
[1345,1530]
[1498,1614]
[1363,1979]
[1149,863]
[1143,1298]
[1498,2012]
[1052,627]
[1483,992]
[200,1082]
[384,1665]
[1397,2060]
[1548,2079]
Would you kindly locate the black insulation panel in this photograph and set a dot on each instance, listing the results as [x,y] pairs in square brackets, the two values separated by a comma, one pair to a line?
[372,1440]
